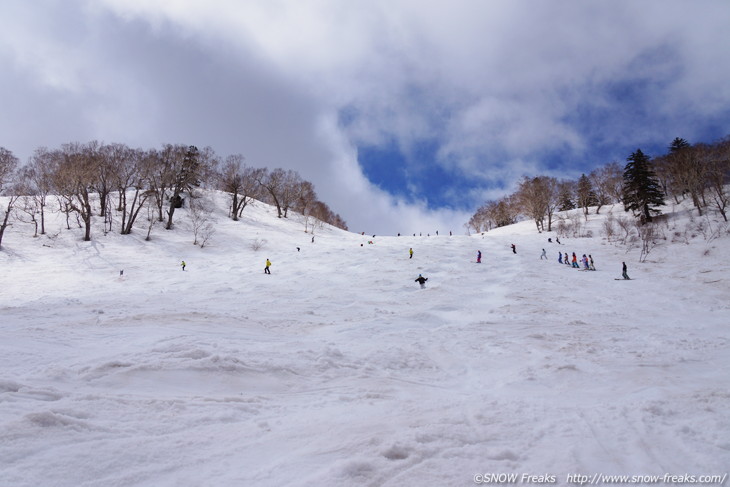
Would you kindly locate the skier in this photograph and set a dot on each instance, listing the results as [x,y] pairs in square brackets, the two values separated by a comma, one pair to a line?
[557,240]
[312,238]
[479,256]
[560,257]
[422,281]
[585,263]
[514,249]
[182,264]
[543,255]
[592,267]
[566,259]
[624,274]
[410,252]
[574,262]
[266,269]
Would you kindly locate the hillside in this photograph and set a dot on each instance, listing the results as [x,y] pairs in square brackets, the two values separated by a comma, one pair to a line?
[338,370]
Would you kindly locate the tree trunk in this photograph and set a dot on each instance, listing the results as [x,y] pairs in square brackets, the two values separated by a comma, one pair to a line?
[4,225]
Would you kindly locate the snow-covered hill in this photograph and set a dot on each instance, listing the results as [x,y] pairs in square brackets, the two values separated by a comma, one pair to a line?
[337,369]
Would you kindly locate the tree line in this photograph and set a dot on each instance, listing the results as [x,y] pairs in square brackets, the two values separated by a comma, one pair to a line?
[700,172]
[84,181]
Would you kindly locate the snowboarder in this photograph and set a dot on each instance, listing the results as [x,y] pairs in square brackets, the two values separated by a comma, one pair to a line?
[557,240]
[560,257]
[182,264]
[550,240]
[514,249]
[312,238]
[266,269]
[543,255]
[592,267]
[410,252]
[624,274]
[422,280]
[479,256]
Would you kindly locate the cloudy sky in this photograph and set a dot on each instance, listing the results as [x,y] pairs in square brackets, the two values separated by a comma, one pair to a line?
[405,114]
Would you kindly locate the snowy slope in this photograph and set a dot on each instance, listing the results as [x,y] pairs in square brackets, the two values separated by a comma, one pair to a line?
[338,370]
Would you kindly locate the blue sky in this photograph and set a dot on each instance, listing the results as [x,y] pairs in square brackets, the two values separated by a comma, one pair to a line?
[405,115]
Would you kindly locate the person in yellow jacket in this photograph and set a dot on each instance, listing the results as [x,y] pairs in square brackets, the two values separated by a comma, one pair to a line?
[410,252]
[266,269]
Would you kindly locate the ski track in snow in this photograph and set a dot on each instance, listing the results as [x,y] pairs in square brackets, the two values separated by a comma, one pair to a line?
[338,370]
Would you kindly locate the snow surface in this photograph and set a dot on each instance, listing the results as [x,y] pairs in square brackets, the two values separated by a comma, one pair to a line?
[338,370]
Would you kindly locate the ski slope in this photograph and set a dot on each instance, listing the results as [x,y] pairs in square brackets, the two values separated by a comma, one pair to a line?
[337,369]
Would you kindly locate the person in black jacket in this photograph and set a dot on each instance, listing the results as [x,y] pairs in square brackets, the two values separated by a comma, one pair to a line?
[422,280]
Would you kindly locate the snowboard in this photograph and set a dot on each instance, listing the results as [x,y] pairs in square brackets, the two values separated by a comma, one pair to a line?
[622,279]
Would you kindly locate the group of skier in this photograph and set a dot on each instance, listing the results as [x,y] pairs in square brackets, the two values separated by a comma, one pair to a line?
[586,260]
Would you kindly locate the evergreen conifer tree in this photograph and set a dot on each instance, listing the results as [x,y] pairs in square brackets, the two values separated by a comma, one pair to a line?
[641,186]
[586,196]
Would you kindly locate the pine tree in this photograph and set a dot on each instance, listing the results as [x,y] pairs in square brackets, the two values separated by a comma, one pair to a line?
[565,195]
[641,187]
[586,195]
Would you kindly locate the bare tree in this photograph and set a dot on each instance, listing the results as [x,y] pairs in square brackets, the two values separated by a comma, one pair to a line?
[552,198]
[187,172]
[27,212]
[607,184]
[8,168]
[480,221]
[303,204]
[130,171]
[273,182]
[625,225]
[534,196]
[686,171]
[291,189]
[201,211]
[74,177]
[305,196]
[37,178]
[152,217]
[717,160]
[608,227]
[495,214]
[648,235]
[240,181]
[159,177]
[103,182]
